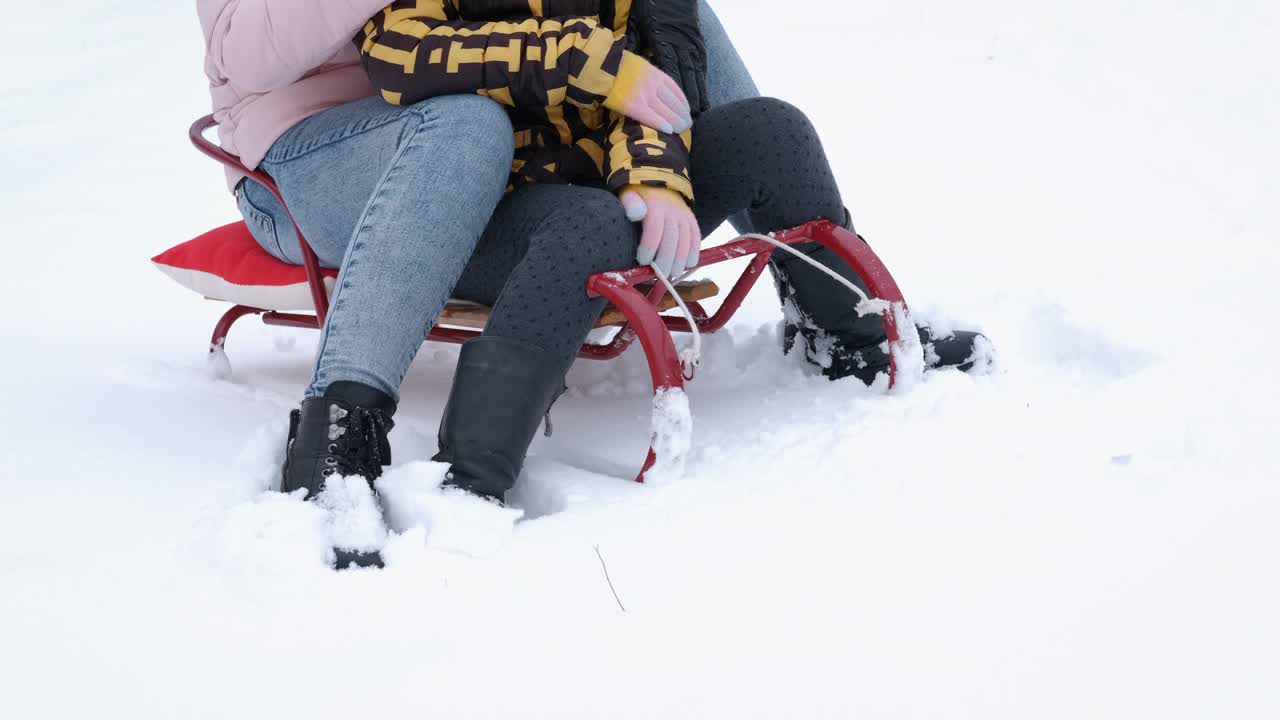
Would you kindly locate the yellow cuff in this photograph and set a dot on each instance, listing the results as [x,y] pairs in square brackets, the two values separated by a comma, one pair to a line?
[646,177]
[631,71]
[651,192]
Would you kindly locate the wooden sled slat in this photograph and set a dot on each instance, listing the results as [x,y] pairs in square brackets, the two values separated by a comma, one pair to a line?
[464,315]
[473,316]
[689,290]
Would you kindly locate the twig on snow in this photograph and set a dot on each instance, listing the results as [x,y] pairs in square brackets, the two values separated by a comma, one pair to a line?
[608,579]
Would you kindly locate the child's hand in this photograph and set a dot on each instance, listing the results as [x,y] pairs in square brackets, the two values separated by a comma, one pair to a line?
[670,236]
[649,96]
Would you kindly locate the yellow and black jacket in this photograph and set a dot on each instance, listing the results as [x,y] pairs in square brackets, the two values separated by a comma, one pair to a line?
[552,62]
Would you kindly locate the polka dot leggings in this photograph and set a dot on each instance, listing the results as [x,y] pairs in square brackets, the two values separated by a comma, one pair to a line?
[758,160]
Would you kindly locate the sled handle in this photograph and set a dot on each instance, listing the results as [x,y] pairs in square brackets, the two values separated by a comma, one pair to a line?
[315,280]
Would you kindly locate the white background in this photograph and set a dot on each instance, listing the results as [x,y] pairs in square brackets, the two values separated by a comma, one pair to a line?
[1090,532]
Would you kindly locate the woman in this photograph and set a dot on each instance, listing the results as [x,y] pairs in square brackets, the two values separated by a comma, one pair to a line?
[395,196]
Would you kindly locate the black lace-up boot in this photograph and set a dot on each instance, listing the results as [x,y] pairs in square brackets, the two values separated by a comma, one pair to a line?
[342,433]
[501,392]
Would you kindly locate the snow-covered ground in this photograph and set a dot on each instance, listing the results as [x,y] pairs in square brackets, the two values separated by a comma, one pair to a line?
[1090,532]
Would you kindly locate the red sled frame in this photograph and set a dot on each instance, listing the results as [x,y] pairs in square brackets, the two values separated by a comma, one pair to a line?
[643,321]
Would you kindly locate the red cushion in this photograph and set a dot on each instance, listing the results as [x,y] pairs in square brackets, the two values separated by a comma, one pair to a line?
[226,263]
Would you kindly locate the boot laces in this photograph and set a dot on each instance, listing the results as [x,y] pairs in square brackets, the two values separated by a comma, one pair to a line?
[356,442]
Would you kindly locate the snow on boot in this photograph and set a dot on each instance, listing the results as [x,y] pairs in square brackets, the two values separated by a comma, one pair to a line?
[342,434]
[501,392]
[822,314]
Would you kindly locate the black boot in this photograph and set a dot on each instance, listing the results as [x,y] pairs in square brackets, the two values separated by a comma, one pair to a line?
[502,391]
[822,314]
[962,349]
[343,433]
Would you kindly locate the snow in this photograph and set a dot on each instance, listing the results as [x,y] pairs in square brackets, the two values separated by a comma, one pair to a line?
[671,435]
[354,516]
[453,520]
[1090,531]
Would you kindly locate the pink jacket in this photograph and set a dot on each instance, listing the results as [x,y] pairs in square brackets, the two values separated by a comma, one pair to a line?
[273,63]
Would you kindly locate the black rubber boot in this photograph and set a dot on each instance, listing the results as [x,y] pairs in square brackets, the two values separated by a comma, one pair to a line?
[343,433]
[502,391]
[961,349]
[822,314]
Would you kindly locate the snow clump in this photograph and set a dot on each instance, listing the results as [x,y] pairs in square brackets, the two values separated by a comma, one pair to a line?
[455,521]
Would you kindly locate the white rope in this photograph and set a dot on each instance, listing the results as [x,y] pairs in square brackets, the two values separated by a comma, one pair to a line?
[866,307]
[690,357]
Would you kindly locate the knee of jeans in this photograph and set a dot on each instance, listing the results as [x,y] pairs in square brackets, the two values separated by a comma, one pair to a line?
[491,119]
[482,124]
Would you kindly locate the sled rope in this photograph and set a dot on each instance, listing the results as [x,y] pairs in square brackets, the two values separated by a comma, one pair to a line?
[866,307]
[690,357]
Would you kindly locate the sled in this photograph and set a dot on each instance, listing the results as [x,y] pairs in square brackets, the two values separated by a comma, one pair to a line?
[636,299]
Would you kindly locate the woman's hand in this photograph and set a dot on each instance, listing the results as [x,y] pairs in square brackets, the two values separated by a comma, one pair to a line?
[670,236]
[649,96]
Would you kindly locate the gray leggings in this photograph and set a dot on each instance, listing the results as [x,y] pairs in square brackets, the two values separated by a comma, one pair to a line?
[534,258]
[545,240]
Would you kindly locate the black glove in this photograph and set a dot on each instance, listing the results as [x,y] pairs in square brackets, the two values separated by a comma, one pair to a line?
[669,29]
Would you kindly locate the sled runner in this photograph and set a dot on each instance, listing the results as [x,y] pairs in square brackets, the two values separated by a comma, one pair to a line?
[226,264]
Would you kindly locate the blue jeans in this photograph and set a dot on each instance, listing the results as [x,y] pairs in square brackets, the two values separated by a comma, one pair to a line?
[727,77]
[398,197]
